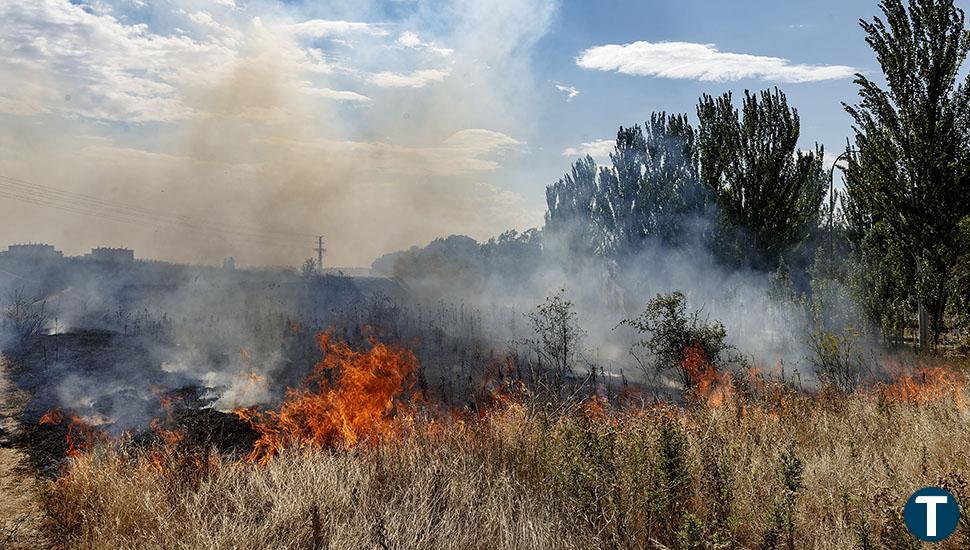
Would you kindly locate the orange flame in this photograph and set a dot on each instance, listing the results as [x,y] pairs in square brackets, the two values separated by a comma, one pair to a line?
[925,385]
[170,438]
[702,377]
[51,418]
[81,437]
[351,396]
[595,408]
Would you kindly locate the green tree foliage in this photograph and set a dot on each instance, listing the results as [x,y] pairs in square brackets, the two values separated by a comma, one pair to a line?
[667,177]
[908,185]
[653,190]
[558,336]
[572,209]
[769,193]
[650,194]
[671,334]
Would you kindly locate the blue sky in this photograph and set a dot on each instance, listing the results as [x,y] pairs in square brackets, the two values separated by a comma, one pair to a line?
[818,33]
[380,123]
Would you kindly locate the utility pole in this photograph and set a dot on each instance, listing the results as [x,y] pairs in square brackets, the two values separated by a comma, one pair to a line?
[320,252]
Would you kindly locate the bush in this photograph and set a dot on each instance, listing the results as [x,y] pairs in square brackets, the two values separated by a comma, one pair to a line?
[838,361]
[673,335]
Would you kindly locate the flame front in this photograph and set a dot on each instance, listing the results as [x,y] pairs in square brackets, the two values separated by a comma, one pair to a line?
[702,377]
[51,418]
[351,396]
[926,385]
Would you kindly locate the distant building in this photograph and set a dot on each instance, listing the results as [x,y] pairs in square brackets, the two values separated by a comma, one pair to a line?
[111,255]
[32,251]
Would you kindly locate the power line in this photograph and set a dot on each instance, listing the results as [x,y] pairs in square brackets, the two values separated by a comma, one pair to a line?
[320,250]
[41,192]
[78,203]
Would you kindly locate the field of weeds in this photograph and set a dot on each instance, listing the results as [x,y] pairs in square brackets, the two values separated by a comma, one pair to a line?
[759,467]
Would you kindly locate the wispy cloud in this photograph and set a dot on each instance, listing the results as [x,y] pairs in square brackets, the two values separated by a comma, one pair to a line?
[96,66]
[480,141]
[687,60]
[417,79]
[339,95]
[570,91]
[325,28]
[226,34]
[599,149]
[411,40]
[318,118]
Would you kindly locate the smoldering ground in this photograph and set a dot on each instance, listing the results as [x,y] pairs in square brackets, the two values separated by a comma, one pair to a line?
[114,341]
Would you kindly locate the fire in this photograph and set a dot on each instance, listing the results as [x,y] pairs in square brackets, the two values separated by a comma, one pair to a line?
[925,385]
[51,418]
[81,437]
[351,396]
[595,408]
[703,378]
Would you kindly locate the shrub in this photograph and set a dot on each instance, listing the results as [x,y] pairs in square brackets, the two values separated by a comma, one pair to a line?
[839,363]
[672,333]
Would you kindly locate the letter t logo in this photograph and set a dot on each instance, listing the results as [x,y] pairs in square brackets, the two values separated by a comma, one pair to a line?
[931,502]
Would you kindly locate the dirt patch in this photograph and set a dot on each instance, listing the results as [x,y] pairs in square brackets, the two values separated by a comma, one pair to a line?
[21,509]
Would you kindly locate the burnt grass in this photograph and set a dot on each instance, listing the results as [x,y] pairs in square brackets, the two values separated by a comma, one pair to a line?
[200,430]
[127,390]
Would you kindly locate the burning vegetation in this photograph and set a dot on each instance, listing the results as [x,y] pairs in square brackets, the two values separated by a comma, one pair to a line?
[749,460]
[350,397]
[808,378]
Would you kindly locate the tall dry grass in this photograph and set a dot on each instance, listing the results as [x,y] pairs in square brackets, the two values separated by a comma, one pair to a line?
[775,471]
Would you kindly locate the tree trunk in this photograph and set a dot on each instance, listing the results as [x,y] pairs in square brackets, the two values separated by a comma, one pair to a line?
[921,314]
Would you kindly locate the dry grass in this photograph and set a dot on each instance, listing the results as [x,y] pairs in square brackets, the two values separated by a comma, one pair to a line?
[768,471]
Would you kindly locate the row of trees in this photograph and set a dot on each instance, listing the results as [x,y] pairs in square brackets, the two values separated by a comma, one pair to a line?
[737,183]
[894,241]
[907,198]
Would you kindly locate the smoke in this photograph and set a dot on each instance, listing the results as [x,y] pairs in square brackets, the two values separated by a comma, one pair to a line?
[266,125]
[246,131]
[770,332]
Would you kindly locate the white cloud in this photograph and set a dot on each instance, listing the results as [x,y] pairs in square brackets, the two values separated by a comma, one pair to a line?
[411,40]
[339,95]
[599,149]
[256,118]
[686,60]
[313,60]
[225,33]
[570,91]
[417,79]
[829,158]
[94,65]
[480,141]
[79,62]
[325,28]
